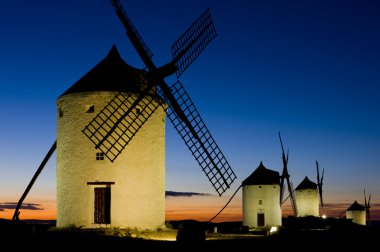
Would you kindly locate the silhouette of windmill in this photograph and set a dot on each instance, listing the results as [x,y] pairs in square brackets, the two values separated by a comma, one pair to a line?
[285,176]
[112,129]
[367,205]
[110,134]
[320,184]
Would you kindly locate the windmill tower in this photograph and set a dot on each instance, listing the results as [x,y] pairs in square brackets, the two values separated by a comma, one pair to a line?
[357,213]
[261,191]
[309,195]
[307,198]
[91,190]
[111,135]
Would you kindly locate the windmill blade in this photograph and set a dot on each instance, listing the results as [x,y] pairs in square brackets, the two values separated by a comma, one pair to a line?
[284,170]
[369,200]
[292,198]
[320,195]
[291,194]
[367,204]
[320,183]
[321,187]
[189,124]
[193,41]
[119,121]
[317,171]
[287,156]
[368,207]
[31,183]
[184,116]
[323,173]
[132,33]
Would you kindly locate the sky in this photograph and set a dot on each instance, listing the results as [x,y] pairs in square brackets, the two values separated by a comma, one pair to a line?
[309,69]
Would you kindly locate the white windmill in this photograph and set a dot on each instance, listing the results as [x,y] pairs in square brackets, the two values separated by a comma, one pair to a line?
[111,136]
[261,193]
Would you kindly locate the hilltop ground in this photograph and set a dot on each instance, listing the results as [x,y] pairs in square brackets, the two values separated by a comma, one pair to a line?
[343,236]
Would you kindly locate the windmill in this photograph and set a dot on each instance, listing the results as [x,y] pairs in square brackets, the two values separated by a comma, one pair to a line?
[367,206]
[285,176]
[320,183]
[113,128]
[112,139]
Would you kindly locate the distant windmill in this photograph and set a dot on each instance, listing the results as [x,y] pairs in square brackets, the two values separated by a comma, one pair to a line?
[261,191]
[357,213]
[285,176]
[128,98]
[367,207]
[320,183]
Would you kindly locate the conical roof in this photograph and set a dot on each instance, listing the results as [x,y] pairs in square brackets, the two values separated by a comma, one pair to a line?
[262,176]
[110,74]
[356,207]
[306,184]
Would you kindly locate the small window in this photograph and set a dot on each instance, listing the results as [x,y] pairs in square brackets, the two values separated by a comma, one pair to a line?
[60,112]
[90,108]
[99,156]
[260,202]
[259,186]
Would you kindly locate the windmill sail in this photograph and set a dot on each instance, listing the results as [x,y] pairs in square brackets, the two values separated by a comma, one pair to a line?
[191,43]
[320,183]
[114,127]
[284,171]
[119,121]
[367,205]
[198,139]
[292,198]
[132,32]
[31,183]
[285,176]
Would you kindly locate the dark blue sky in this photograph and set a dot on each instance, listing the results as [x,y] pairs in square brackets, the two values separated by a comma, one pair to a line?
[309,69]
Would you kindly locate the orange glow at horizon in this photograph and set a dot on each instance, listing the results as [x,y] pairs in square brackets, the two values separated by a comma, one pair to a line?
[47,213]
[201,208]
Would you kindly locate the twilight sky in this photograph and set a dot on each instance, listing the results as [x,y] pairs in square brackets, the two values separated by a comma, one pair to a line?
[310,69]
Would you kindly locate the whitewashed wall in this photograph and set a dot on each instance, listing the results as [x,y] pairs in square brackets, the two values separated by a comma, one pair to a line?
[358,217]
[307,201]
[270,199]
[138,195]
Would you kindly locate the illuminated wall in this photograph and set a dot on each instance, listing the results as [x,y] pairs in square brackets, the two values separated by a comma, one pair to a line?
[136,177]
[261,200]
[307,201]
[358,217]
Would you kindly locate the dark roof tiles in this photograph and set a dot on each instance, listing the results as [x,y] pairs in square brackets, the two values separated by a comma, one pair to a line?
[306,184]
[356,207]
[262,176]
[110,74]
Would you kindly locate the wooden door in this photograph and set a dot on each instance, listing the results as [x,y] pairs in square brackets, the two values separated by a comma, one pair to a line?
[260,220]
[102,205]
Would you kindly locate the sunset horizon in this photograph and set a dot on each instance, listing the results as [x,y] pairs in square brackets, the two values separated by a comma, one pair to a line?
[183,208]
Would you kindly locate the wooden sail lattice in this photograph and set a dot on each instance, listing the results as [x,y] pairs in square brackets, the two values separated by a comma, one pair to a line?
[202,145]
[193,41]
[118,122]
